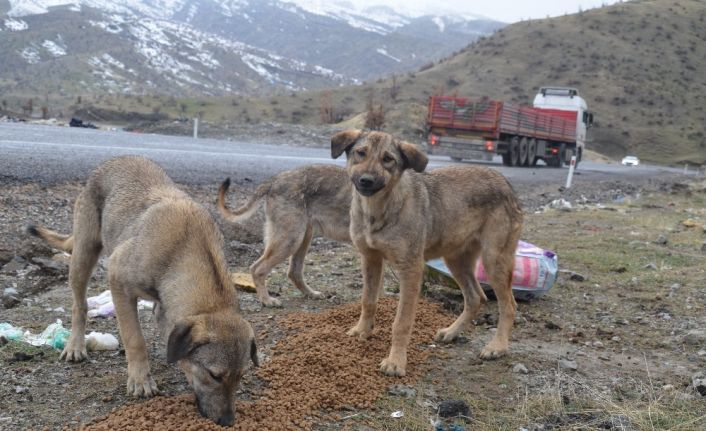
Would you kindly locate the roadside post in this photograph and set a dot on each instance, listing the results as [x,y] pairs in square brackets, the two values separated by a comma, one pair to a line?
[572,166]
[196,127]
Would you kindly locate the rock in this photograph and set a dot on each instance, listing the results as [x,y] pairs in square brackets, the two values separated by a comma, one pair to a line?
[50,264]
[575,276]
[703,247]
[598,344]
[454,408]
[520,369]
[620,422]
[10,297]
[551,325]
[569,365]
[12,267]
[651,266]
[695,337]
[20,389]
[661,240]
[698,381]
[402,391]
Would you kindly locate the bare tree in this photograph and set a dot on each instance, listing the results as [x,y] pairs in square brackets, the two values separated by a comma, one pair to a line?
[375,115]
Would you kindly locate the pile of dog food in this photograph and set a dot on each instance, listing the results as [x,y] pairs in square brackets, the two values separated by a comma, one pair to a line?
[315,371]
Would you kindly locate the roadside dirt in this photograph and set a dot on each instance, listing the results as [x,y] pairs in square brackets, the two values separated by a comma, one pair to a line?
[632,328]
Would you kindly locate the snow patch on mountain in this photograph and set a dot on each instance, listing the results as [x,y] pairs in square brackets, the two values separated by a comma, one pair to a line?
[16,25]
[54,48]
[439,23]
[31,55]
[383,51]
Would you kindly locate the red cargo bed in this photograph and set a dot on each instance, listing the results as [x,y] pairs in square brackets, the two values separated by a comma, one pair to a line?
[490,118]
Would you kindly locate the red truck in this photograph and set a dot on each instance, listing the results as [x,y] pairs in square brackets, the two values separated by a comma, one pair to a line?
[552,130]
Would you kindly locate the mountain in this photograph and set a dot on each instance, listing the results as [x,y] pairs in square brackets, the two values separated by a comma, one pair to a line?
[57,48]
[640,65]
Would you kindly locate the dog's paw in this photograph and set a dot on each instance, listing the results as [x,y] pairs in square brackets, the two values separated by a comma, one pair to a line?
[271,302]
[445,335]
[315,294]
[142,386]
[361,331]
[74,351]
[395,368]
[494,350]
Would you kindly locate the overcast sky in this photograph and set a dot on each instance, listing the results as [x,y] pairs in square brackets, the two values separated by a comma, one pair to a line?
[502,10]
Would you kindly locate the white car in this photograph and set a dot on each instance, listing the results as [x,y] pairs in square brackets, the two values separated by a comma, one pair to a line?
[630,161]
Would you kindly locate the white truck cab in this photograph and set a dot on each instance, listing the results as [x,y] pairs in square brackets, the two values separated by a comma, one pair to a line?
[567,99]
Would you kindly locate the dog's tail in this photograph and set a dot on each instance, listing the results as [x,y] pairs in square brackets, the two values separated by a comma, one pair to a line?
[55,239]
[245,211]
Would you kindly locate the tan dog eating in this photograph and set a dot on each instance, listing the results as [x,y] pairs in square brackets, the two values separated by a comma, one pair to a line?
[405,217]
[164,247]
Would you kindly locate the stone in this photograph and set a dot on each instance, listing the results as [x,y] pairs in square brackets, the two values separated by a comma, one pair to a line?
[520,369]
[566,364]
[454,408]
[575,276]
[661,240]
[695,337]
[651,266]
[50,264]
[698,381]
[13,266]
[402,391]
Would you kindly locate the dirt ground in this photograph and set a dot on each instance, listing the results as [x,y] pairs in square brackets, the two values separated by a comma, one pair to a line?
[614,345]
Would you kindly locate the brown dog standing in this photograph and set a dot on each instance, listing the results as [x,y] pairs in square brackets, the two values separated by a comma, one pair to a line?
[299,204]
[166,248]
[406,218]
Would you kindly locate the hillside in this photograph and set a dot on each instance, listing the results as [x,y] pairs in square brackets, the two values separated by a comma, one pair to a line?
[57,50]
[641,66]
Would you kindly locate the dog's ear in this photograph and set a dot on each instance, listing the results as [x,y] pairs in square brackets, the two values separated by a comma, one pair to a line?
[183,340]
[253,353]
[413,157]
[342,141]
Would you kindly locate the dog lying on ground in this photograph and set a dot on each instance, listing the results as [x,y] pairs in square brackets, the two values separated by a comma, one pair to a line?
[299,204]
[164,247]
[406,218]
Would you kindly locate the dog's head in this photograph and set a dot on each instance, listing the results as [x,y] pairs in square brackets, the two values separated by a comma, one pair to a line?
[376,160]
[213,350]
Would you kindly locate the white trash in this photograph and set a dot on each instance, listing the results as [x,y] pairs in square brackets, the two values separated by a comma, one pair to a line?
[101,341]
[102,305]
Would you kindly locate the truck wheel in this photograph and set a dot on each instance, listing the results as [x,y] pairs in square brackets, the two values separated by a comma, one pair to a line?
[456,159]
[562,155]
[524,152]
[532,152]
[514,152]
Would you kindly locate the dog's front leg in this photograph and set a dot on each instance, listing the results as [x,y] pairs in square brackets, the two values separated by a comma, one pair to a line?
[139,380]
[372,261]
[410,286]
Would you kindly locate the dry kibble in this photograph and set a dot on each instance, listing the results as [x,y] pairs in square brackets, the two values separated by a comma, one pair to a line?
[316,367]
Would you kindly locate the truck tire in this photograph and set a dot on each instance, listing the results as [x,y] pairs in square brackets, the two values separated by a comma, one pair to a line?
[562,155]
[524,150]
[532,152]
[514,152]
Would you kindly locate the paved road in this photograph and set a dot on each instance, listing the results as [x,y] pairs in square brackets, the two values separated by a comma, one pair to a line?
[51,154]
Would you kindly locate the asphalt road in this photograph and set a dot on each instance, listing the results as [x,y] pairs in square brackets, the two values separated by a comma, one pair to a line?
[50,154]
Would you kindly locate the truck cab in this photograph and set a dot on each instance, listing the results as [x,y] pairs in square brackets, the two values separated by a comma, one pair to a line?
[566,101]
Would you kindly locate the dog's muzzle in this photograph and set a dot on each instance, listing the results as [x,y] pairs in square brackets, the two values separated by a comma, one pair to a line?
[368,185]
